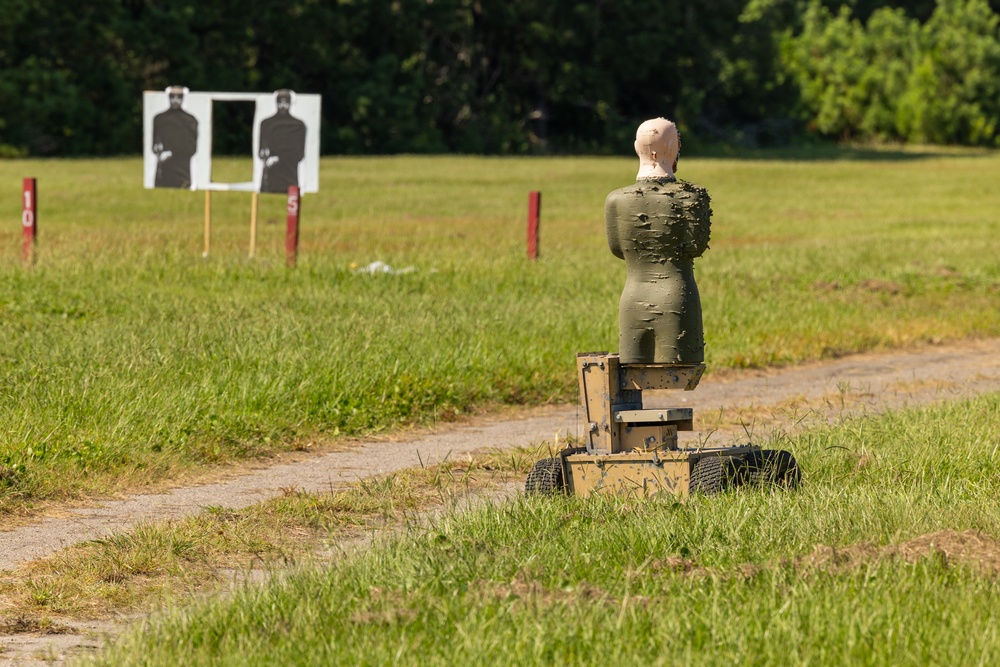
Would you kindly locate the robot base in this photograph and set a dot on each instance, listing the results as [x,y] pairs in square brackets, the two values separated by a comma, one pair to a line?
[632,450]
[680,472]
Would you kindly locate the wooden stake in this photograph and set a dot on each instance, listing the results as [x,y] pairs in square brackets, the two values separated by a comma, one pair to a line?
[534,221]
[208,223]
[253,225]
[294,209]
[29,220]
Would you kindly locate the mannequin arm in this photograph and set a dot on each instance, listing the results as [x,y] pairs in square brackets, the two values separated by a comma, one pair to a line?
[611,226]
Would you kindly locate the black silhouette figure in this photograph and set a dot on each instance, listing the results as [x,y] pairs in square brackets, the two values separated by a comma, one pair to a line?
[175,141]
[282,146]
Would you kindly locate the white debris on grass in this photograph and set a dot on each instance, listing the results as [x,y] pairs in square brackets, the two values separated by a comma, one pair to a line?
[379,267]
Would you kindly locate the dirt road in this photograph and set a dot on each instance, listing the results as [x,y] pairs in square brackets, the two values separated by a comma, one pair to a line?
[726,408]
[761,400]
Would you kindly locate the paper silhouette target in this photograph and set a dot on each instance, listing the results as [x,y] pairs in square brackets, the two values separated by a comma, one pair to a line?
[177,128]
[286,142]
[177,140]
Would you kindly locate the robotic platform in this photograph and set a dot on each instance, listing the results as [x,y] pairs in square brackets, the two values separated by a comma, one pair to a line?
[634,450]
[659,226]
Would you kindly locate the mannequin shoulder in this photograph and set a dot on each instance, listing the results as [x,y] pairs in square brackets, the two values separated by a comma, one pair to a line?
[617,200]
[618,195]
[688,190]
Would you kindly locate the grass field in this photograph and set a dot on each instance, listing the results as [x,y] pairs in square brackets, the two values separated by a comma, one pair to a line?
[735,578]
[126,358]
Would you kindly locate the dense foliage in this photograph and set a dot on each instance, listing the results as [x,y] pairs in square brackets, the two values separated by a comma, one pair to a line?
[897,79]
[506,77]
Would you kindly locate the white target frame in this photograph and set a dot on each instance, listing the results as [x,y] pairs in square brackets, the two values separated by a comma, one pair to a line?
[199,104]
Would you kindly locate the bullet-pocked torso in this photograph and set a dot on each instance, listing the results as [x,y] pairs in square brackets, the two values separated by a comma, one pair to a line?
[659,226]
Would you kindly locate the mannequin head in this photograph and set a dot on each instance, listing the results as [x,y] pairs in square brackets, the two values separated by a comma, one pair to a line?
[657,143]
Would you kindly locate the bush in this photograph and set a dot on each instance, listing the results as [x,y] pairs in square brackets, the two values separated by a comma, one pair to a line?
[953,93]
[895,79]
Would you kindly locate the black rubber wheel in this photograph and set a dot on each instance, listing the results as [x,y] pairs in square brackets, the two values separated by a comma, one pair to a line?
[713,474]
[546,477]
[771,467]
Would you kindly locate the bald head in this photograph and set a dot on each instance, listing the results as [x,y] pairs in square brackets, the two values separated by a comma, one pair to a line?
[657,144]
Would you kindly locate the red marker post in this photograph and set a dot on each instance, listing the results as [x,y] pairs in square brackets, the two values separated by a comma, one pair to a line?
[292,226]
[534,216]
[29,220]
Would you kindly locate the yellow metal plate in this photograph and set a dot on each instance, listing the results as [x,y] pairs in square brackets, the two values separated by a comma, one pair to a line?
[639,474]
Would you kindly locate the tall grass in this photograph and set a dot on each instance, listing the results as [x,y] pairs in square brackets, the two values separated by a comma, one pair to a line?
[126,358]
[714,580]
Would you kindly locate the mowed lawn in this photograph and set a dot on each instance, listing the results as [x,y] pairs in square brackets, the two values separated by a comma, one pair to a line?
[126,358]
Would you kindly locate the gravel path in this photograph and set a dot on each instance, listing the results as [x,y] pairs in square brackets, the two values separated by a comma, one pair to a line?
[870,382]
[781,399]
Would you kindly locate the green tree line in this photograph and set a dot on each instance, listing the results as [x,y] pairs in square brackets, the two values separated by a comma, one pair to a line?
[898,79]
[504,76]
